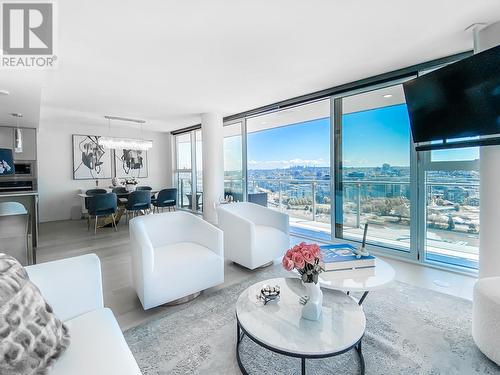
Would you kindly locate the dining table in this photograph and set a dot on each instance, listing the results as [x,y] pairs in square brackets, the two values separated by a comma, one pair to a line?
[107,221]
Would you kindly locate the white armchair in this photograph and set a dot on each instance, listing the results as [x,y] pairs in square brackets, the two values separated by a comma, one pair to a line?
[486,317]
[174,255]
[73,287]
[253,235]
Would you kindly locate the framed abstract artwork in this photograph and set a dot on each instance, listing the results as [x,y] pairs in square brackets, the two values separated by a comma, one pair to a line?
[131,163]
[90,159]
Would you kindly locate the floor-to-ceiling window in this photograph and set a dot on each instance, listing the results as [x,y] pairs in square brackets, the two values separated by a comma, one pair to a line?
[338,163]
[183,171]
[198,200]
[451,206]
[288,161]
[234,179]
[188,174]
[373,171]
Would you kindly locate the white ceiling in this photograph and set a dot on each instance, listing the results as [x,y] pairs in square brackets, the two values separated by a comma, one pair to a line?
[24,97]
[168,61]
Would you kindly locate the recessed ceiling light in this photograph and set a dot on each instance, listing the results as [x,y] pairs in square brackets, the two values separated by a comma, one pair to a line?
[4,92]
[388,96]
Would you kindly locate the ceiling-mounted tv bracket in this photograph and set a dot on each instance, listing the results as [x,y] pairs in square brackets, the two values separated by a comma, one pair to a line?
[475,28]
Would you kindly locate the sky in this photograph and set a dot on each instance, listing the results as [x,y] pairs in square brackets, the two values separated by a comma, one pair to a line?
[306,143]
[370,139]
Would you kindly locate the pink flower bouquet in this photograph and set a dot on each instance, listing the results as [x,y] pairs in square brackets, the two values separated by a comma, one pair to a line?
[306,259]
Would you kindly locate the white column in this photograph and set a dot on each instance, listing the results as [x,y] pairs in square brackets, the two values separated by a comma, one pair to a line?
[489,164]
[213,164]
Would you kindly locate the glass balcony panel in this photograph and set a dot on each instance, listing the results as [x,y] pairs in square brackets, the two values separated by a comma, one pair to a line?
[233,188]
[184,189]
[323,201]
[269,187]
[297,201]
[452,218]
[385,206]
[295,197]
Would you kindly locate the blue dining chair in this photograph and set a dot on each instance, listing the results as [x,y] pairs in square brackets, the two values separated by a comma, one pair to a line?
[91,193]
[166,198]
[145,188]
[102,205]
[137,201]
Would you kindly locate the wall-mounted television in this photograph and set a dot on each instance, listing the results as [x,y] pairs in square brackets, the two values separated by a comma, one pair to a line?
[6,162]
[460,101]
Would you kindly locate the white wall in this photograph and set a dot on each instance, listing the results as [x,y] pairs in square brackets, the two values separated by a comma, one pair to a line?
[489,161]
[57,189]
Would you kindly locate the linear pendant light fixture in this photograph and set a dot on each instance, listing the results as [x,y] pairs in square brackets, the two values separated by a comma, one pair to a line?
[125,143]
[18,134]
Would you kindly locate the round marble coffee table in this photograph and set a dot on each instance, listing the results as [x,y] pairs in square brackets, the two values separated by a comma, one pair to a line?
[279,327]
[364,280]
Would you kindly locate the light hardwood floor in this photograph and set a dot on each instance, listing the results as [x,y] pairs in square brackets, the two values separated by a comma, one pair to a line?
[64,239]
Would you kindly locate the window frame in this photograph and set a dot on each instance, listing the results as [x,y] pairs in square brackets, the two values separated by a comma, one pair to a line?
[427,165]
[337,211]
[192,170]
[244,166]
[417,159]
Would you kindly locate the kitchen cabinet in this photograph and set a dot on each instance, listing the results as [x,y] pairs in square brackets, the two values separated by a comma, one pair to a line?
[29,142]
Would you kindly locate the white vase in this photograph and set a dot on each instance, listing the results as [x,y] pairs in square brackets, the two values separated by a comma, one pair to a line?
[312,309]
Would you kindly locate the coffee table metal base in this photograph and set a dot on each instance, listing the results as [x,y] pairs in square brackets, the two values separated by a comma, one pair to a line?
[360,301]
[241,333]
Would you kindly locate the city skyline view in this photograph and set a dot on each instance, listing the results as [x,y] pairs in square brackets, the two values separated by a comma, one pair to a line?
[370,139]
[290,164]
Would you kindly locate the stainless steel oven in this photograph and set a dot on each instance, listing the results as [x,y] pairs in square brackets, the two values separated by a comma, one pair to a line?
[23,179]
[24,168]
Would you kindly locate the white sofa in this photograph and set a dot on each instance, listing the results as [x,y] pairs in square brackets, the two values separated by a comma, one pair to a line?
[486,317]
[253,235]
[174,255]
[73,287]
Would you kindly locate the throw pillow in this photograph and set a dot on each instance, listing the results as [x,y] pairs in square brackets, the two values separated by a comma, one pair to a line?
[31,337]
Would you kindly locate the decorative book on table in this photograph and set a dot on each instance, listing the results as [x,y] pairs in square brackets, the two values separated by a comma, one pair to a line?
[342,257]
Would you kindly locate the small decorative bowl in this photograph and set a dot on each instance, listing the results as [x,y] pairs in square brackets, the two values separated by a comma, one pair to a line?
[269,293]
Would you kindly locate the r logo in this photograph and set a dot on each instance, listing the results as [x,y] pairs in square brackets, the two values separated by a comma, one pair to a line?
[27,28]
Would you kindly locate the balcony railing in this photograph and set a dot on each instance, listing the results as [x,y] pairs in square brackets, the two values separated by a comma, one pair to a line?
[283,193]
[452,211]
[185,194]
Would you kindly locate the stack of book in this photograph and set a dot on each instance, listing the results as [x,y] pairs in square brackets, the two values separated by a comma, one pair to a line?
[343,259]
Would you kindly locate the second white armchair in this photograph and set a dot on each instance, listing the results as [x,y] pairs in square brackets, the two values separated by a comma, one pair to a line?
[174,255]
[253,235]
